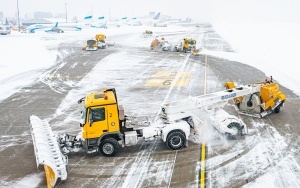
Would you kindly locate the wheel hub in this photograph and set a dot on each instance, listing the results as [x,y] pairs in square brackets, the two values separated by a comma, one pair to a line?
[176,141]
[108,148]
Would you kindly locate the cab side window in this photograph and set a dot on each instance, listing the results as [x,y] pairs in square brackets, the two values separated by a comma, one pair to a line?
[98,114]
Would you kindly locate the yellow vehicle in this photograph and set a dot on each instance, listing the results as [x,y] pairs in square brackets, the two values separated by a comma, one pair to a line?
[100,37]
[148,33]
[105,128]
[267,99]
[95,44]
[91,45]
[157,43]
[188,44]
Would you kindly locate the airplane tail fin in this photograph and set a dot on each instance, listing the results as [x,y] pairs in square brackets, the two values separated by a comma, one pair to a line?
[56,24]
[157,16]
[88,17]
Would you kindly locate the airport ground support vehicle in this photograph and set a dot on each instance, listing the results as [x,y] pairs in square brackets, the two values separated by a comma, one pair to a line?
[263,100]
[99,42]
[5,29]
[105,128]
[157,43]
[148,33]
[187,45]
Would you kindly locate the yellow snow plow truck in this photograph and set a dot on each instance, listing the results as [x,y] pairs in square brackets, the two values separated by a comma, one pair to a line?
[97,43]
[187,45]
[147,33]
[105,128]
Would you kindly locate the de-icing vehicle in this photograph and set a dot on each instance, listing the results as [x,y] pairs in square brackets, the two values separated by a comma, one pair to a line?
[105,128]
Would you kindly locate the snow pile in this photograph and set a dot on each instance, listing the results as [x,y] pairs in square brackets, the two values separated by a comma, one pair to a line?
[270,47]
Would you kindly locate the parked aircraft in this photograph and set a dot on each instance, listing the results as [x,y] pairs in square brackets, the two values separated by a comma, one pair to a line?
[103,23]
[153,21]
[51,28]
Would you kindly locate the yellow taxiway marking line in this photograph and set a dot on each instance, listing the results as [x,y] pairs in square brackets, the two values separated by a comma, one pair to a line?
[202,173]
[203,147]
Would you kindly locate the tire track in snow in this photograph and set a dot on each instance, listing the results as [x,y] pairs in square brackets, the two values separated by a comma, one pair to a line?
[141,163]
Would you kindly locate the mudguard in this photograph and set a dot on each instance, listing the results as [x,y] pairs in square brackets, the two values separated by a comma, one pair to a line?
[181,125]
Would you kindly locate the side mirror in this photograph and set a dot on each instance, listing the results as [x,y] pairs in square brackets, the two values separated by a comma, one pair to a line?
[81,123]
[91,118]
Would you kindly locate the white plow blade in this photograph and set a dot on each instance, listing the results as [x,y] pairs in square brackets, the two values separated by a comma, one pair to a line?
[47,151]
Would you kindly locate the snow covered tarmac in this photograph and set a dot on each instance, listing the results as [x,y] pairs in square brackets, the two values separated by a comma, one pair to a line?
[128,66]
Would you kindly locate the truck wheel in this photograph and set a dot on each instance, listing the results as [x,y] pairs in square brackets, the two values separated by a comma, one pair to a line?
[176,140]
[277,109]
[109,147]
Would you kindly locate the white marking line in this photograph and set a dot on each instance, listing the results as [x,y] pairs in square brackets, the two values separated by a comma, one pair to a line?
[167,96]
[172,168]
[173,85]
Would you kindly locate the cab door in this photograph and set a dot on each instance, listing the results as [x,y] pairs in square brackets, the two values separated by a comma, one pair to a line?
[112,118]
[97,122]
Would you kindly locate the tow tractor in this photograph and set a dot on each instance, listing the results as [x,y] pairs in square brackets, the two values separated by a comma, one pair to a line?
[105,128]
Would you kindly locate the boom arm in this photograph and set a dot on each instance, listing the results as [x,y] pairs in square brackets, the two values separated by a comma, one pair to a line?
[218,98]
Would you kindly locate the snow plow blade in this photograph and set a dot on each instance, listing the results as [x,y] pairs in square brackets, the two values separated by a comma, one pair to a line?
[196,52]
[47,151]
[110,44]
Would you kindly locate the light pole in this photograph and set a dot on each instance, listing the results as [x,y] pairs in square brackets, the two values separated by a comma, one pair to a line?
[18,15]
[66,12]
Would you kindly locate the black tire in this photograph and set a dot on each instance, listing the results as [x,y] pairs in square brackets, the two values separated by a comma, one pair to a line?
[109,147]
[277,109]
[176,140]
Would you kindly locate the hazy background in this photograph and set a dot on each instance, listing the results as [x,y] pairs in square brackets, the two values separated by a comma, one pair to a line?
[209,10]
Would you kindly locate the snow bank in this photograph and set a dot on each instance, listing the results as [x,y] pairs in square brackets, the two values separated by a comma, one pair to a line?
[270,47]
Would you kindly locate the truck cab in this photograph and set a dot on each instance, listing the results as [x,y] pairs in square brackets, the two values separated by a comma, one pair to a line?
[103,123]
[189,44]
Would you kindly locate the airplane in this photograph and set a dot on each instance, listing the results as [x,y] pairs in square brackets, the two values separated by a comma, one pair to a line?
[134,22]
[155,21]
[54,29]
[103,23]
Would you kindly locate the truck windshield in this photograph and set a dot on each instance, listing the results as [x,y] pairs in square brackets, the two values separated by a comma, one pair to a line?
[191,42]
